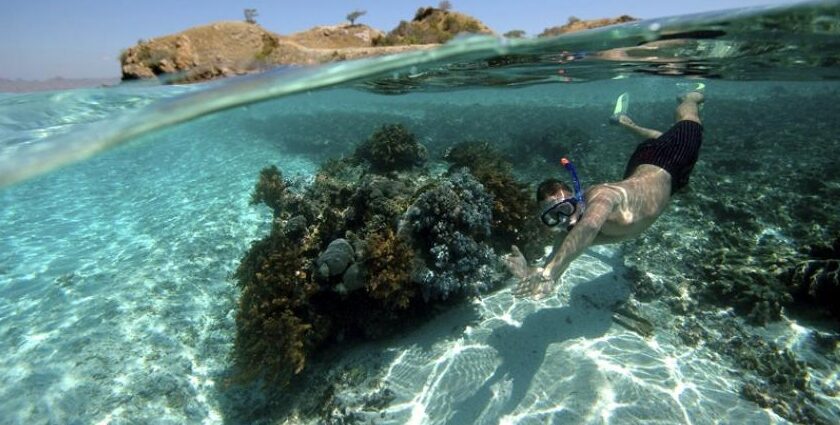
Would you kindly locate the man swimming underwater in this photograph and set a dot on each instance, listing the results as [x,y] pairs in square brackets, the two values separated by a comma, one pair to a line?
[613,212]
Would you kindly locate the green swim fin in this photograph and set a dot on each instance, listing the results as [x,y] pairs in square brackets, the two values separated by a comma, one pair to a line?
[621,104]
[687,87]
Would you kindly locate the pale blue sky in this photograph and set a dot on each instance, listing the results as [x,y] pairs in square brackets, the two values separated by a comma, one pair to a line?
[41,39]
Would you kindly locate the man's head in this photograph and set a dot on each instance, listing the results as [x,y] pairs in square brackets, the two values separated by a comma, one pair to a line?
[558,206]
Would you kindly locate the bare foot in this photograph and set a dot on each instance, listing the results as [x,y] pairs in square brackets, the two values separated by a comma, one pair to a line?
[622,119]
[695,96]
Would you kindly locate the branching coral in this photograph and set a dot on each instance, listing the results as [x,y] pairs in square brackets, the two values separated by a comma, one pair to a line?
[745,275]
[514,208]
[378,203]
[392,148]
[388,262]
[275,325]
[270,189]
[773,376]
[451,222]
[335,182]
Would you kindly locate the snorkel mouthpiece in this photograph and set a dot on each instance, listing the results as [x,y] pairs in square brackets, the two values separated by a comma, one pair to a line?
[575,181]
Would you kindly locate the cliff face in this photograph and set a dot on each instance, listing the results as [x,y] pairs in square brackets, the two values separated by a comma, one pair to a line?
[230,48]
[200,53]
[575,24]
[431,25]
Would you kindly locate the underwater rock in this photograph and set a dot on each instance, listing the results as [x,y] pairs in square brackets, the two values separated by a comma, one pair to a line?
[335,260]
[392,148]
[352,280]
[450,222]
[295,228]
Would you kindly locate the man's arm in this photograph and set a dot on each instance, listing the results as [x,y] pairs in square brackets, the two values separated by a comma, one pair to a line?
[581,236]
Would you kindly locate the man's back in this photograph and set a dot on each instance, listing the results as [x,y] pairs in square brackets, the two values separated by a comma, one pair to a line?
[637,201]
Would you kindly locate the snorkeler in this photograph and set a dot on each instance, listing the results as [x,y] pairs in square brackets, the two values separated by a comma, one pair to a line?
[613,212]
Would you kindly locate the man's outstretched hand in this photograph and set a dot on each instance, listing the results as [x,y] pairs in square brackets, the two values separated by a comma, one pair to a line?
[532,282]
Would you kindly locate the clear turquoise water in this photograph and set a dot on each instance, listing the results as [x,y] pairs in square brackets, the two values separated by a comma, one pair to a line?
[117,302]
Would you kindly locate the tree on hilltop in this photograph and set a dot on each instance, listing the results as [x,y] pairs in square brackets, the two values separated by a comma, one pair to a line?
[515,34]
[445,5]
[352,16]
[251,15]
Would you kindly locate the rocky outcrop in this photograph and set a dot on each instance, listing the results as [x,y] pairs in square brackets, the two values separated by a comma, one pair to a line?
[574,25]
[231,48]
[432,25]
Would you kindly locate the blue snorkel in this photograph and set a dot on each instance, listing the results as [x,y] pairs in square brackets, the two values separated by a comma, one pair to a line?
[575,181]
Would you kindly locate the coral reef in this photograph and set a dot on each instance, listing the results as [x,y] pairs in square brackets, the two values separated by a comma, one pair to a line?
[378,202]
[388,261]
[270,189]
[370,245]
[816,280]
[745,274]
[335,260]
[391,148]
[514,207]
[275,325]
[450,222]
[775,379]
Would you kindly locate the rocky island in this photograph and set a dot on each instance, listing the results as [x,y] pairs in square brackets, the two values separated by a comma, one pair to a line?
[230,48]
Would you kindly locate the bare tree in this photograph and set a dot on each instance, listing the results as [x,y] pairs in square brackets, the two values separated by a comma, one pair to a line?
[445,5]
[251,15]
[352,16]
[515,34]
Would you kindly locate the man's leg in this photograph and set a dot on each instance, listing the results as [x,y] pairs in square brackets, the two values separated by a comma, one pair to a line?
[644,133]
[688,109]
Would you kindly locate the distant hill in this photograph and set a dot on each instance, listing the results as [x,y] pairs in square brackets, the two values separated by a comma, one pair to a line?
[575,25]
[229,48]
[432,25]
[58,83]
